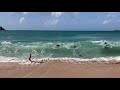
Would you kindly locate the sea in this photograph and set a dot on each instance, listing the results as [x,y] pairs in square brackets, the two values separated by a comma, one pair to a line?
[17,45]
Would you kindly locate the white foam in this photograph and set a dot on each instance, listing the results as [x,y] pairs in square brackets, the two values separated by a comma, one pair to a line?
[117,58]
[10,59]
[26,61]
[111,43]
[5,42]
[101,41]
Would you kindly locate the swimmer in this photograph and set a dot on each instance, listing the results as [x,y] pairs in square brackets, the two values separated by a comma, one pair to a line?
[58,45]
[106,45]
[74,46]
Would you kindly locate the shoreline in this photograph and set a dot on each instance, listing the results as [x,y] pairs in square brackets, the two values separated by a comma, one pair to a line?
[60,69]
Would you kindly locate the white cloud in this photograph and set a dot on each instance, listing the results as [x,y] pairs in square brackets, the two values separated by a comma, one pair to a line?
[75,15]
[25,13]
[110,17]
[52,22]
[52,18]
[107,21]
[11,12]
[111,12]
[21,20]
[56,14]
[75,12]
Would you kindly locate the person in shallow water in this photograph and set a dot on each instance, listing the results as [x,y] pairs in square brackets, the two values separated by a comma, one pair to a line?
[34,61]
[30,58]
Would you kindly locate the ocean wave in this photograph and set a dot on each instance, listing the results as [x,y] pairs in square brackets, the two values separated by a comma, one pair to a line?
[5,42]
[19,60]
[87,49]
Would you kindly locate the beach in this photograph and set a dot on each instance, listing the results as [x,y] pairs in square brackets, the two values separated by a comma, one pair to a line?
[59,69]
[65,54]
[59,45]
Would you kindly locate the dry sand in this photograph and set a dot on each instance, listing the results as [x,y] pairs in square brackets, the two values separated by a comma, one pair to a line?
[57,69]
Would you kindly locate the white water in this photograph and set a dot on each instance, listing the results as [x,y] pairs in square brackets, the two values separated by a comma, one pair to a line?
[13,59]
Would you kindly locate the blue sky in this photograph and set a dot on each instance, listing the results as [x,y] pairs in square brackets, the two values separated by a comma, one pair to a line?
[60,20]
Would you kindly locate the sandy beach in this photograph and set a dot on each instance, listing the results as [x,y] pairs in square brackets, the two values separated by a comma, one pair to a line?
[58,69]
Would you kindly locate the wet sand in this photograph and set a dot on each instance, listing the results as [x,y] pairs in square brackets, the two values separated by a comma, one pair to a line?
[58,69]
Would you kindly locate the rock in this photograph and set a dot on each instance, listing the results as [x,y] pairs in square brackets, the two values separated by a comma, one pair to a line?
[1,28]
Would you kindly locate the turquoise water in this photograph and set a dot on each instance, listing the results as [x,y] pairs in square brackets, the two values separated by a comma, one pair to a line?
[41,44]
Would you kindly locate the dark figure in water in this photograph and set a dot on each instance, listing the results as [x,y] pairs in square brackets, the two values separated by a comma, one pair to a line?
[58,45]
[106,45]
[74,46]
[80,55]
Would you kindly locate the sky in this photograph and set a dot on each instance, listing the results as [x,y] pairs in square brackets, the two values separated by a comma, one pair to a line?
[60,20]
